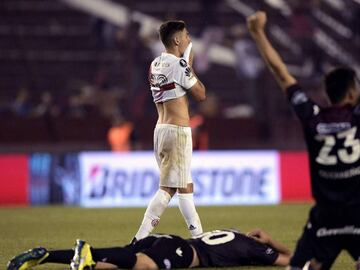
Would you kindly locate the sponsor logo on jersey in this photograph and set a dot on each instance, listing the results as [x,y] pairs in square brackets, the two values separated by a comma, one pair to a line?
[340,175]
[269,251]
[188,72]
[326,128]
[347,230]
[183,63]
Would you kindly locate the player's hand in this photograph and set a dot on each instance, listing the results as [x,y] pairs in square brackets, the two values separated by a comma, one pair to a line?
[256,21]
[260,236]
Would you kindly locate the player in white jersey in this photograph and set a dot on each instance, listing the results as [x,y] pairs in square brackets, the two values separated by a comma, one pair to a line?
[172,80]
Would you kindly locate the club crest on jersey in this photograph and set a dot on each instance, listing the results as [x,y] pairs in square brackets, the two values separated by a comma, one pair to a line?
[155,222]
[183,63]
[156,80]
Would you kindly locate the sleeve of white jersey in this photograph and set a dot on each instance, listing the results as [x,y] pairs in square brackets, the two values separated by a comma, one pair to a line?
[183,75]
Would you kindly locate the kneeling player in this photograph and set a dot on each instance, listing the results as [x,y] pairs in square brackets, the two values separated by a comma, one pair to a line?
[220,248]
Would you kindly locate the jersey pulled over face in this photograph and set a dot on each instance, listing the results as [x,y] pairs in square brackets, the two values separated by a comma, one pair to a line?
[333,140]
[170,77]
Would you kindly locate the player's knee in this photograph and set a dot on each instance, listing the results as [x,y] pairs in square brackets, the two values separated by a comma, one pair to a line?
[171,191]
[188,189]
[143,262]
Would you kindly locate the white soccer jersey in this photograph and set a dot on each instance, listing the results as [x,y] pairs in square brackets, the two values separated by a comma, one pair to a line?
[170,77]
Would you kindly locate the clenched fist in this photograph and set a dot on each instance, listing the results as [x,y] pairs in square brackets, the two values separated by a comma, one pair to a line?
[256,21]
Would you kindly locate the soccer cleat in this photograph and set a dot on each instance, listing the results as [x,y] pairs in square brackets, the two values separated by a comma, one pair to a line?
[28,259]
[82,259]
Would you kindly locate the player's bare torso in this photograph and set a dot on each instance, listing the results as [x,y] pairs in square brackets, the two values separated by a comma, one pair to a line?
[174,111]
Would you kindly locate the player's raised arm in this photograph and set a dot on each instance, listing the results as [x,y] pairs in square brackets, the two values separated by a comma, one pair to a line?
[256,25]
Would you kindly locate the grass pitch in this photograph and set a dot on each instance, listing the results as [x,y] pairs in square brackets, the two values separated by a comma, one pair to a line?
[58,227]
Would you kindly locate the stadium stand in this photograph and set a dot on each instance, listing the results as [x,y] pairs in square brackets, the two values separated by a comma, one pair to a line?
[51,46]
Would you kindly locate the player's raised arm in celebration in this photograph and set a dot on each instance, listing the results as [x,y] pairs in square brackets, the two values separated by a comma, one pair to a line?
[256,25]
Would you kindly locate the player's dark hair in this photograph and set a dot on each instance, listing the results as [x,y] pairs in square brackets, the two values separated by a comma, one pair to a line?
[168,29]
[338,82]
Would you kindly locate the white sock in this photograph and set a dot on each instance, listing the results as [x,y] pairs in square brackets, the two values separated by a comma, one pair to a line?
[153,212]
[187,208]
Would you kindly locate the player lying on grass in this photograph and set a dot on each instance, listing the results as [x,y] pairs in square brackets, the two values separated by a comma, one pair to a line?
[220,248]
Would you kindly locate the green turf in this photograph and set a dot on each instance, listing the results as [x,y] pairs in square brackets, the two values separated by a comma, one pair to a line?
[58,227]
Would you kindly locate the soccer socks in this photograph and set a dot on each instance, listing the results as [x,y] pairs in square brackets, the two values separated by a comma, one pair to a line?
[153,213]
[187,208]
[157,207]
[124,258]
[59,256]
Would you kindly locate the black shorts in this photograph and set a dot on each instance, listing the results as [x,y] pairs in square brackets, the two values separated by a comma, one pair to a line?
[325,235]
[170,251]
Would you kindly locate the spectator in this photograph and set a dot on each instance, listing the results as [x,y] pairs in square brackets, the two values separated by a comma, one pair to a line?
[121,135]
[200,135]
[46,106]
[22,104]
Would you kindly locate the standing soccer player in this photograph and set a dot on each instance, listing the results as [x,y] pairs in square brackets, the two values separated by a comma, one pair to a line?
[332,138]
[172,80]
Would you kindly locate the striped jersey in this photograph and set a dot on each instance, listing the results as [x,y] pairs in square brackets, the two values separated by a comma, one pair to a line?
[170,77]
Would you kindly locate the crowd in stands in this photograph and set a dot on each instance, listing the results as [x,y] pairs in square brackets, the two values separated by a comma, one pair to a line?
[120,94]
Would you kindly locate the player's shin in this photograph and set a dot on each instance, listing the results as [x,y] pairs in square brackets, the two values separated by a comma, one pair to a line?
[123,258]
[59,256]
[153,213]
[187,208]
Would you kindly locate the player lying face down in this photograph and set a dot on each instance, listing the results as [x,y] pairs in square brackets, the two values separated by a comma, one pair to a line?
[219,248]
